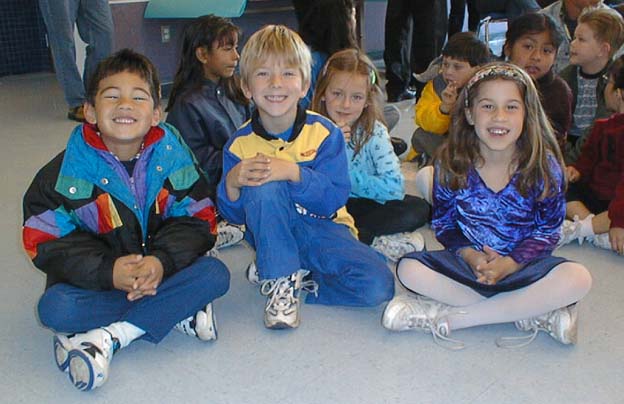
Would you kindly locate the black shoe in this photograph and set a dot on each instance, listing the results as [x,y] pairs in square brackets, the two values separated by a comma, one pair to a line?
[76,114]
[398,145]
[407,94]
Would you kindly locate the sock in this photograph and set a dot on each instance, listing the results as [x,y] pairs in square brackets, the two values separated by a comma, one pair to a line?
[587,230]
[125,332]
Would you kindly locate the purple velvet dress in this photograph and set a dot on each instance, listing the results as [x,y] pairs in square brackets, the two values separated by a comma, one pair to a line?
[526,228]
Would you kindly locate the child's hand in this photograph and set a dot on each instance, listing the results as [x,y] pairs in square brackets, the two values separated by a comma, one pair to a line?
[250,172]
[124,271]
[283,170]
[496,268]
[148,276]
[616,236]
[448,97]
[473,258]
[346,131]
[572,174]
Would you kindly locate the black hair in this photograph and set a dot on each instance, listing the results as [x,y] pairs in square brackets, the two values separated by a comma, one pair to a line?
[121,61]
[532,23]
[202,33]
[467,47]
[616,71]
[325,25]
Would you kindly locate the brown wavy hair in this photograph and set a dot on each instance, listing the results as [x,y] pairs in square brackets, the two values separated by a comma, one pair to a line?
[353,61]
[536,142]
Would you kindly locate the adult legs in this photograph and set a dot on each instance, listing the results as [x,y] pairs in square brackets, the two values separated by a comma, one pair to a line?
[95,26]
[429,30]
[59,17]
[565,284]
[66,308]
[396,50]
[456,16]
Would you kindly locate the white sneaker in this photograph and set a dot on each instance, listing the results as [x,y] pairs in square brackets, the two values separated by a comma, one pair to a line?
[228,234]
[570,231]
[86,357]
[408,312]
[395,246]
[561,324]
[601,241]
[203,325]
[252,273]
[282,306]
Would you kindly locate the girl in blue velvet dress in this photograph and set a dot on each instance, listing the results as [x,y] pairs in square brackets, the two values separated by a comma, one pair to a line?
[498,200]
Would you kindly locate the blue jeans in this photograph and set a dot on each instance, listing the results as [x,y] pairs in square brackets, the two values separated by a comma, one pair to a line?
[95,26]
[69,309]
[348,272]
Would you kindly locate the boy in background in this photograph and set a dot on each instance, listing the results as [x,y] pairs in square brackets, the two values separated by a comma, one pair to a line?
[119,222]
[598,35]
[461,57]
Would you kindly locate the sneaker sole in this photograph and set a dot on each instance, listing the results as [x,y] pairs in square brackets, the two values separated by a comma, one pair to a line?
[202,328]
[82,372]
[62,346]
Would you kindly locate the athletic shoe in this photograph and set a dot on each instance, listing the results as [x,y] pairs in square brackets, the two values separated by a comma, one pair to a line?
[561,324]
[395,246]
[570,231]
[408,312]
[227,235]
[203,325]
[89,359]
[282,306]
[252,274]
[601,241]
[76,114]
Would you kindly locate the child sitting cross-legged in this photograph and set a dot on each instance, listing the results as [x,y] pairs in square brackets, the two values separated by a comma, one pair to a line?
[285,176]
[119,222]
[348,92]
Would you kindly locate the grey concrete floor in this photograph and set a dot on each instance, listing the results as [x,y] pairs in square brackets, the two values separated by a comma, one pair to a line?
[338,355]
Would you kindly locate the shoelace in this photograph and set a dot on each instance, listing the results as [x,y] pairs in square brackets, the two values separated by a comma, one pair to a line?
[187,326]
[508,342]
[282,293]
[432,324]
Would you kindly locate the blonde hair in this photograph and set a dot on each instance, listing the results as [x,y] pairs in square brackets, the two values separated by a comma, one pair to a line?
[536,142]
[352,61]
[279,42]
[606,24]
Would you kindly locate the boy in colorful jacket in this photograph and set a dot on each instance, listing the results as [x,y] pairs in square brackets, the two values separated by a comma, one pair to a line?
[119,222]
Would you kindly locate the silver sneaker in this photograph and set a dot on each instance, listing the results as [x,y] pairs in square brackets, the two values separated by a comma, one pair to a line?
[282,306]
[228,234]
[408,312]
[395,246]
[561,324]
[202,325]
[570,231]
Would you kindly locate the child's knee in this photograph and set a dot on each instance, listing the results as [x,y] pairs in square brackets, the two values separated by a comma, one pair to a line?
[380,290]
[270,190]
[55,307]
[212,273]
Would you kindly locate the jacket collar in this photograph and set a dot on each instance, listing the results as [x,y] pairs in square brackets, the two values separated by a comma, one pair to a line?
[259,130]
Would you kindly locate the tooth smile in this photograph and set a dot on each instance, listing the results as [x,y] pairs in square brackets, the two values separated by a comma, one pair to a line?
[123,120]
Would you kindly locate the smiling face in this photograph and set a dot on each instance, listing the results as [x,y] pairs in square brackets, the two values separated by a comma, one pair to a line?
[498,116]
[220,61]
[124,111]
[275,89]
[345,97]
[535,53]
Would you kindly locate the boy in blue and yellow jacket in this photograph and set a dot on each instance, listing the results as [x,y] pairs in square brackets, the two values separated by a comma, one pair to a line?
[119,222]
[285,177]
